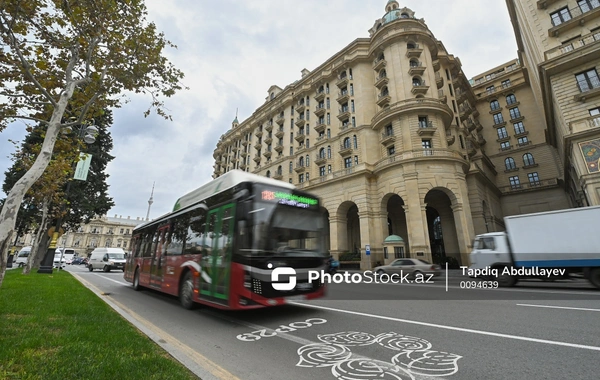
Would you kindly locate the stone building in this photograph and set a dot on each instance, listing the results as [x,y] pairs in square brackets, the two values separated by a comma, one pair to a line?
[102,231]
[397,141]
[559,42]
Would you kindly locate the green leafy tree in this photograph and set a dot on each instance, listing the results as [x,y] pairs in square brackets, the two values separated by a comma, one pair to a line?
[84,199]
[62,62]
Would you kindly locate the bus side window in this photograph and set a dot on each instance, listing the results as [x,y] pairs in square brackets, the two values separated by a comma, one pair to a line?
[488,243]
[195,229]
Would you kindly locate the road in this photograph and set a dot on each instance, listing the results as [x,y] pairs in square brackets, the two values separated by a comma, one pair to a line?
[534,331]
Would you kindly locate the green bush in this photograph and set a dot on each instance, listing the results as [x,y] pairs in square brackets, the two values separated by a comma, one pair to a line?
[350,256]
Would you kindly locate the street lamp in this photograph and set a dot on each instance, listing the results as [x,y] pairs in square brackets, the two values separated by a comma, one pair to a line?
[88,134]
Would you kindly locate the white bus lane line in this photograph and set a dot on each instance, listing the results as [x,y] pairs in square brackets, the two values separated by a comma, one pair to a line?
[408,357]
[462,329]
[558,307]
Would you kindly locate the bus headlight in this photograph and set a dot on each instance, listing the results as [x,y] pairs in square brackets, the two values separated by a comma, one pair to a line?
[247,280]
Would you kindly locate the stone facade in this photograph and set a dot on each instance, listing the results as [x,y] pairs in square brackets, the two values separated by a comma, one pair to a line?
[397,141]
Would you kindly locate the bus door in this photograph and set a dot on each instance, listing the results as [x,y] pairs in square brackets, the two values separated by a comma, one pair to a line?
[158,258]
[216,263]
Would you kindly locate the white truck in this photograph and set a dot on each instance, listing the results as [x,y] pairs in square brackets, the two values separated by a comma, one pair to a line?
[546,245]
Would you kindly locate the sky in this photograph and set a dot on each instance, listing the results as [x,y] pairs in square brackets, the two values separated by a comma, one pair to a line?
[231,53]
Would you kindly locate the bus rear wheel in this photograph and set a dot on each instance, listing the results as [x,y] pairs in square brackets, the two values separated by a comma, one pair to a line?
[186,292]
[136,280]
[595,277]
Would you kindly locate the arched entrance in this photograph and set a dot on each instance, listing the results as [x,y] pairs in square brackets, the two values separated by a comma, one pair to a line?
[396,219]
[441,226]
[348,231]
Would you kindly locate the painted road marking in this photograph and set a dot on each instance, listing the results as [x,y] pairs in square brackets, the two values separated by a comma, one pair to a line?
[557,307]
[196,362]
[480,332]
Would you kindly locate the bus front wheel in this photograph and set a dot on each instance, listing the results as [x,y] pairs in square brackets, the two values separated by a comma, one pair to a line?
[136,280]
[186,292]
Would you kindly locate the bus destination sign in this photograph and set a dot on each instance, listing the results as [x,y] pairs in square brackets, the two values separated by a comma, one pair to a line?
[289,199]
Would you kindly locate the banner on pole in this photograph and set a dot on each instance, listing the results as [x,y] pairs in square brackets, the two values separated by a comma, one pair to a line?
[83,166]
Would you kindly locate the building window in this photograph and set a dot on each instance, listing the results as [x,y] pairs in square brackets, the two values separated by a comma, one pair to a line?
[389,131]
[498,119]
[355,160]
[588,5]
[588,80]
[301,161]
[426,144]
[291,151]
[355,141]
[307,177]
[505,145]
[268,174]
[346,144]
[422,121]
[560,16]
[515,113]
[519,128]
[416,81]
[307,143]
[494,105]
[528,159]
[511,99]
[328,152]
[514,182]
[328,133]
[534,179]
[502,134]
[490,89]
[510,163]
[522,141]
[301,178]
[391,150]
[329,169]
[595,111]
[348,162]
[506,83]
[322,171]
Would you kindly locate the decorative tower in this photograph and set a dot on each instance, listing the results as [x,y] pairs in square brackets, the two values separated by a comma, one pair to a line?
[150,201]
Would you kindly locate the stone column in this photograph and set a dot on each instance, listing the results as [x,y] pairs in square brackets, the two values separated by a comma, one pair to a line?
[416,219]
[367,220]
[338,238]
[464,231]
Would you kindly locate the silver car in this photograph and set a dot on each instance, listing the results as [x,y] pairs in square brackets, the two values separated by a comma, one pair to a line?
[413,267]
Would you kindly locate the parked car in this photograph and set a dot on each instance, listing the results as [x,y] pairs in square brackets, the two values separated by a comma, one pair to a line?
[413,267]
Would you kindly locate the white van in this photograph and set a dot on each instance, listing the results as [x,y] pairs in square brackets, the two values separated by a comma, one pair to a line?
[22,256]
[107,259]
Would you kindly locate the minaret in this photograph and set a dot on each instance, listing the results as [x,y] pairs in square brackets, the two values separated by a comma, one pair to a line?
[150,201]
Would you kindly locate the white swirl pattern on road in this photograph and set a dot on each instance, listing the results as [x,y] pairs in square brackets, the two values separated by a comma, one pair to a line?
[416,357]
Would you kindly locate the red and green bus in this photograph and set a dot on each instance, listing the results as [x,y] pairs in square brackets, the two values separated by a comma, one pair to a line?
[223,243]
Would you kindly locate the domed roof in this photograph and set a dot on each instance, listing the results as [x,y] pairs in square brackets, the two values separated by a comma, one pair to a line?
[393,239]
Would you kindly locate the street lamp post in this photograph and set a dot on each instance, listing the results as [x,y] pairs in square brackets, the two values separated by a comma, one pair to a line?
[88,134]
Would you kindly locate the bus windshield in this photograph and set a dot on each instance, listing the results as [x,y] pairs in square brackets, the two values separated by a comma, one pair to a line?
[284,230]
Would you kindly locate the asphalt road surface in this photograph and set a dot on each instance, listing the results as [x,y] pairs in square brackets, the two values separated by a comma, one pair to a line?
[378,331]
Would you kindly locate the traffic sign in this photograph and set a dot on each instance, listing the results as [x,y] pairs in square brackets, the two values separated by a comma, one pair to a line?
[368,249]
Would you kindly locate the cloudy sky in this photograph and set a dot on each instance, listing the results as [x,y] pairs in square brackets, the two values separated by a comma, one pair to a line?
[232,52]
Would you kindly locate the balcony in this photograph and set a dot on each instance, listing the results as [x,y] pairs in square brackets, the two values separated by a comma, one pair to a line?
[320,127]
[383,100]
[379,64]
[344,113]
[414,52]
[343,96]
[439,80]
[417,69]
[450,138]
[267,154]
[279,132]
[320,111]
[279,148]
[419,89]
[268,140]
[471,150]
[387,138]
[381,81]
[258,145]
[257,158]
[577,17]
[245,142]
[300,122]
[258,133]
[588,93]
[243,166]
[300,137]
[426,128]
[300,107]
[345,150]
[243,153]
[585,124]
[481,140]
[342,81]
[436,65]
[320,95]
[532,186]
[280,120]
[269,127]
[586,40]
[443,98]
[319,160]
[299,168]
[278,176]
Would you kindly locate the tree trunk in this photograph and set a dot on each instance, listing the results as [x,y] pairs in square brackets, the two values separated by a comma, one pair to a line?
[8,215]
[34,256]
